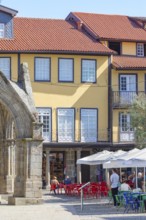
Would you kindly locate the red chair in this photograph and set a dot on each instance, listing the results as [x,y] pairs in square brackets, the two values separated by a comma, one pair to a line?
[61,188]
[53,188]
[104,190]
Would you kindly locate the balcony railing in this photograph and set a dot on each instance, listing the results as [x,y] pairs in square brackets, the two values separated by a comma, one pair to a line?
[124,99]
[127,136]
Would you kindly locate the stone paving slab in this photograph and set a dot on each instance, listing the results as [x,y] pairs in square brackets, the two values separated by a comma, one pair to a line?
[62,207]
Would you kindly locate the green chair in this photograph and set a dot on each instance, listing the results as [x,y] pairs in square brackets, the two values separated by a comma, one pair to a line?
[110,197]
[119,201]
[142,199]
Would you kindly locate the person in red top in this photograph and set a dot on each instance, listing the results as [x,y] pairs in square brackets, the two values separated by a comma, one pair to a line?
[54,184]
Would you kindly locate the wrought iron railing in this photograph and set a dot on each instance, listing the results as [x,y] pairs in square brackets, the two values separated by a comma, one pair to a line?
[124,98]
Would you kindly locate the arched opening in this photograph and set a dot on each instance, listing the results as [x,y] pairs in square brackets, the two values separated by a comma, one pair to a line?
[20,142]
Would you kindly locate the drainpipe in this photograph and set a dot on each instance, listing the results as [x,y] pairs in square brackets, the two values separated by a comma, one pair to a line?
[110,114]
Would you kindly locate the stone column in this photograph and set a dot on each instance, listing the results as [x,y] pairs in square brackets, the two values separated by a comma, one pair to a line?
[79,167]
[6,174]
[3,169]
[10,166]
[48,169]
[28,179]
[70,164]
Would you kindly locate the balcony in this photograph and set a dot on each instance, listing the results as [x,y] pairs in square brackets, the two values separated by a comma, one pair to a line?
[123,99]
[127,136]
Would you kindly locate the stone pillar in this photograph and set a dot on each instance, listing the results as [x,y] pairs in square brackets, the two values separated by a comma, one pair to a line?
[6,169]
[48,169]
[10,166]
[28,179]
[79,167]
[3,169]
[70,164]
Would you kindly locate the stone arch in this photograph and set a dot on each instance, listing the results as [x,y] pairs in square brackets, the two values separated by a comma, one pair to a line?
[20,141]
[16,101]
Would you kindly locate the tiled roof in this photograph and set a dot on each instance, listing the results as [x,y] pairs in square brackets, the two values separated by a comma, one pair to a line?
[129,62]
[37,35]
[112,26]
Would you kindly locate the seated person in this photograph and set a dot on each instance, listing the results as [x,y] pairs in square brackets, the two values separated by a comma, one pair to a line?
[55,184]
[124,186]
[67,180]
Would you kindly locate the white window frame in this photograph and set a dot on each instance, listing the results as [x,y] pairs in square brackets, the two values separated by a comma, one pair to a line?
[5,66]
[42,69]
[65,70]
[126,130]
[2,30]
[66,124]
[127,88]
[89,125]
[88,70]
[140,49]
[45,117]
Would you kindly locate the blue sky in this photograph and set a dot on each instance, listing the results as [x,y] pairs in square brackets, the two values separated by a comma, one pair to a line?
[61,8]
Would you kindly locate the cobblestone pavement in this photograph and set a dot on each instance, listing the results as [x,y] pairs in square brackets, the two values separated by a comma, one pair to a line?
[61,207]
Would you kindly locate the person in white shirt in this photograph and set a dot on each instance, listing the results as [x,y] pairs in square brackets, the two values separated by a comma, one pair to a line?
[124,186]
[114,180]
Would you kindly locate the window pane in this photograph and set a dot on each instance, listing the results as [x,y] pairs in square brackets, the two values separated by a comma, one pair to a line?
[65,125]
[88,125]
[2,30]
[88,70]
[126,130]
[45,118]
[66,70]
[42,69]
[125,122]
[140,49]
[5,66]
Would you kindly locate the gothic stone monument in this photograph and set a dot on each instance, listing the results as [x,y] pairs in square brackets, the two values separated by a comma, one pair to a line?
[20,141]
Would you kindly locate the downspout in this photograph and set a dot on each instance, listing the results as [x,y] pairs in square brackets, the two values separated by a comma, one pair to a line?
[110,114]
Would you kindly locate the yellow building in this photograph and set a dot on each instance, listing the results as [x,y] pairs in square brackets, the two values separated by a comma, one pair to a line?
[84,72]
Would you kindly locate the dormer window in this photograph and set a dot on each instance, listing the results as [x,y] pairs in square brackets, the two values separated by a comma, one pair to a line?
[141,50]
[2,30]
[116,46]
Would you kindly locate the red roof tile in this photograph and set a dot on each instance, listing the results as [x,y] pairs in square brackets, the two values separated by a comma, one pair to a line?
[112,26]
[32,34]
[128,62]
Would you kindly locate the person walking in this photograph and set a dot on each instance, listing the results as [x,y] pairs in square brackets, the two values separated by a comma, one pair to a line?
[114,181]
[54,184]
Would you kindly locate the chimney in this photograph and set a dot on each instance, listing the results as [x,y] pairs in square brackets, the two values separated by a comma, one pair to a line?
[79,25]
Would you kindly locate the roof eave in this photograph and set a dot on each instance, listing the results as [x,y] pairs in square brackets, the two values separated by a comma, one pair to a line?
[59,52]
[122,39]
[128,68]
[8,10]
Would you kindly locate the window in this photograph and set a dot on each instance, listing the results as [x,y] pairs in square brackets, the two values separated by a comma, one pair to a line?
[128,88]
[42,69]
[65,70]
[116,46]
[140,49]
[45,118]
[2,30]
[5,64]
[126,130]
[88,125]
[65,125]
[125,124]
[89,71]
